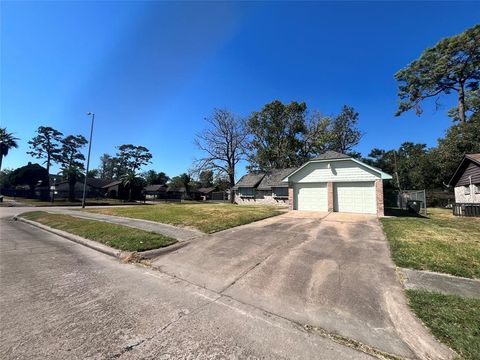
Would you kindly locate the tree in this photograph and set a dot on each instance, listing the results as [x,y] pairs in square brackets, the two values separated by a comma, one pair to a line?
[129,180]
[5,181]
[71,160]
[182,181]
[460,139]
[452,65]
[7,142]
[206,178]
[46,145]
[153,178]
[277,134]
[318,136]
[111,167]
[223,143]
[344,133]
[30,174]
[94,173]
[132,158]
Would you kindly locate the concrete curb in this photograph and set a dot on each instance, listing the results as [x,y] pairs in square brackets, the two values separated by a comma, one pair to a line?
[119,254]
[150,254]
[440,282]
[105,249]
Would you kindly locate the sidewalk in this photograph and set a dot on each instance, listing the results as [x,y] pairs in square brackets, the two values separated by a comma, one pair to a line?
[442,283]
[181,234]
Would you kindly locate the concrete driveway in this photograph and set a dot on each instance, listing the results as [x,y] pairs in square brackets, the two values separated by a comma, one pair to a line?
[331,271]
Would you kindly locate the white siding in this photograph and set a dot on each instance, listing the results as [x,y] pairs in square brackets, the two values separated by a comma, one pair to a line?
[345,170]
[311,197]
[355,197]
[460,196]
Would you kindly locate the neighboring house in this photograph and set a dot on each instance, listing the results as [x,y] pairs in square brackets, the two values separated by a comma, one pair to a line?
[162,192]
[115,190]
[466,180]
[94,188]
[156,191]
[329,182]
[263,188]
[206,192]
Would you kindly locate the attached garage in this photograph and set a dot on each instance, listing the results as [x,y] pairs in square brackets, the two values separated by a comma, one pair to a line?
[336,182]
[355,197]
[311,197]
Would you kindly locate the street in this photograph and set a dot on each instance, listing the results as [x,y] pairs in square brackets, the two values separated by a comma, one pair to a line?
[60,300]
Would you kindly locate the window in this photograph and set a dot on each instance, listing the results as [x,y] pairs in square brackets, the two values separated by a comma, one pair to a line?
[280,192]
[246,191]
[476,188]
[466,190]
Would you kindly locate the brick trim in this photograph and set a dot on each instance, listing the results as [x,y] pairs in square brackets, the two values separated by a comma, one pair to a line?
[379,197]
[330,196]
[290,196]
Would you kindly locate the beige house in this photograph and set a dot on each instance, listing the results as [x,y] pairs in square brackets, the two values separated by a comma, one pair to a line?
[329,182]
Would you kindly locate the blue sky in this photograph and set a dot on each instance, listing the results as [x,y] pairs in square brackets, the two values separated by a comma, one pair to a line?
[152,71]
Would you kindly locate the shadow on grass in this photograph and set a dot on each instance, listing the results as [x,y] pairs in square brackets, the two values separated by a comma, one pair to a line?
[398,212]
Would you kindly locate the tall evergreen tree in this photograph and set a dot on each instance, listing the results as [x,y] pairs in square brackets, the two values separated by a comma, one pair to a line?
[46,145]
[452,65]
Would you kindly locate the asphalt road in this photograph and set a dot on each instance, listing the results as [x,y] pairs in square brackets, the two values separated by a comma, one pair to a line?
[60,300]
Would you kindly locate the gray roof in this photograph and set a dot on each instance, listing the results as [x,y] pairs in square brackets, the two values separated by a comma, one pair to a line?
[112,183]
[274,179]
[206,190]
[331,155]
[155,188]
[249,180]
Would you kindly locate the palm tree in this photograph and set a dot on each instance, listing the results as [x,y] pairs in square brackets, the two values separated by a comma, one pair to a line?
[129,179]
[7,142]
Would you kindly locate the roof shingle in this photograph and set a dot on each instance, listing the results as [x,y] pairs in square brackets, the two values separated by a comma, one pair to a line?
[274,179]
[330,155]
[249,180]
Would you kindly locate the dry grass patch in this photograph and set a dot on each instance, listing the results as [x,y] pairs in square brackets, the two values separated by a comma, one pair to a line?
[208,218]
[442,242]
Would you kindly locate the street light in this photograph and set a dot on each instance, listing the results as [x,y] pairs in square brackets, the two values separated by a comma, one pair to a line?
[88,159]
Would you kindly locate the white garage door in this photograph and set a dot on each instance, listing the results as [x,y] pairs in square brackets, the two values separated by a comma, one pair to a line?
[311,197]
[357,197]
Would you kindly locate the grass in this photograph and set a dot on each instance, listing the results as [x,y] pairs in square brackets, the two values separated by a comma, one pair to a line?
[208,218]
[64,202]
[454,320]
[440,242]
[117,236]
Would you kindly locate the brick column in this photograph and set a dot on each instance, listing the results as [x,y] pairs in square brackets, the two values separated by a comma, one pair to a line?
[330,195]
[379,196]
[290,196]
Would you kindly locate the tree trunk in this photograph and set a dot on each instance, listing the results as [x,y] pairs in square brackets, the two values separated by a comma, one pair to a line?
[130,192]
[461,103]
[71,187]
[231,178]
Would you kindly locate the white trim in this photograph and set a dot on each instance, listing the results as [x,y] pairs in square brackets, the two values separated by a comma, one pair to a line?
[383,175]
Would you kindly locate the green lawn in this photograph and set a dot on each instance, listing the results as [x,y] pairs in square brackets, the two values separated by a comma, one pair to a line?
[452,319]
[117,236]
[63,202]
[441,242]
[208,218]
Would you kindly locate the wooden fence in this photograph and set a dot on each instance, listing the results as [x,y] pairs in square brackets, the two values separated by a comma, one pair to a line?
[466,209]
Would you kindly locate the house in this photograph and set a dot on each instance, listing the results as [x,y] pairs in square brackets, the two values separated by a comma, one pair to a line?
[156,191]
[466,180]
[329,182]
[95,188]
[265,188]
[115,190]
[206,192]
[162,192]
